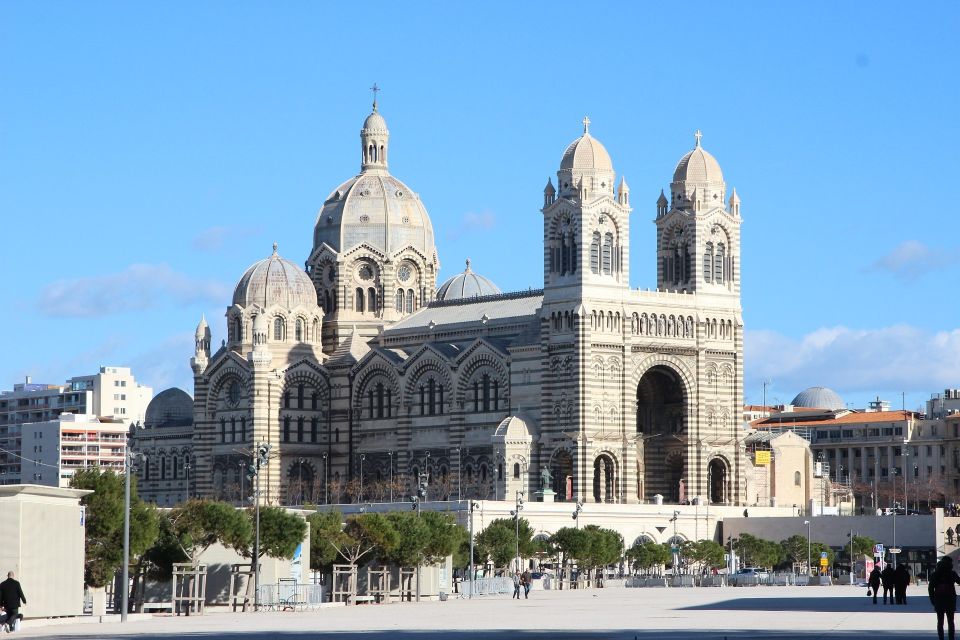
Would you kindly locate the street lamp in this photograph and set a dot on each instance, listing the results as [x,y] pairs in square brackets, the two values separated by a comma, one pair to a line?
[300,463]
[852,561]
[673,543]
[459,473]
[260,460]
[576,513]
[390,454]
[326,481]
[807,522]
[125,579]
[518,507]
[363,457]
[242,464]
[473,573]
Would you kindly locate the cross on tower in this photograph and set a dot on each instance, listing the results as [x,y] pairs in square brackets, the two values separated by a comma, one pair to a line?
[375,90]
[698,135]
[586,124]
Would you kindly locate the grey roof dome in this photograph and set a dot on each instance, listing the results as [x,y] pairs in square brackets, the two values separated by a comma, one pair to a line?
[375,121]
[169,408]
[698,166]
[586,152]
[819,398]
[275,281]
[466,285]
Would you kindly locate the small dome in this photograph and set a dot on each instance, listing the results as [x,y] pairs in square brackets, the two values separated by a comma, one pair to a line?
[375,121]
[586,152]
[466,285]
[819,398]
[513,428]
[275,281]
[169,408]
[698,166]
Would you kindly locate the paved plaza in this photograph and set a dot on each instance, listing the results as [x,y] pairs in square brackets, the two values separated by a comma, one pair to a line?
[622,614]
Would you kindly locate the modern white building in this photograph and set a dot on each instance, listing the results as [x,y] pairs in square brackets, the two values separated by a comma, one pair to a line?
[112,392]
[54,449]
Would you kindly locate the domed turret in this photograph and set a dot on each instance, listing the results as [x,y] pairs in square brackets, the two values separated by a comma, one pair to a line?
[466,285]
[275,281]
[819,398]
[698,181]
[586,167]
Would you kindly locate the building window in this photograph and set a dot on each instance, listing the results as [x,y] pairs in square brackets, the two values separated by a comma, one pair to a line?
[796,478]
[516,470]
[595,253]
[278,328]
[286,428]
[708,262]
[399,301]
[299,330]
[313,429]
[358,300]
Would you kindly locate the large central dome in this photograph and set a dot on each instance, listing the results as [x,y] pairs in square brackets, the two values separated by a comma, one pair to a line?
[374,208]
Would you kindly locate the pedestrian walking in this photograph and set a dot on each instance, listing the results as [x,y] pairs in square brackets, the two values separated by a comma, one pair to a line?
[11,595]
[943,595]
[525,581]
[886,579]
[874,582]
[516,585]
[901,578]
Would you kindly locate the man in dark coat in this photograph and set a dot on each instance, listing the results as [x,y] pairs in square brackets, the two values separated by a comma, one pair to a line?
[886,579]
[874,582]
[10,597]
[901,578]
[943,595]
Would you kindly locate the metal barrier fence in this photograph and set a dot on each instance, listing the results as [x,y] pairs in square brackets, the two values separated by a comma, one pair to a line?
[722,580]
[486,586]
[290,596]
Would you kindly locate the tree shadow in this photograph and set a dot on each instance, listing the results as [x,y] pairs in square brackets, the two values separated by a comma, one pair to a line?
[814,605]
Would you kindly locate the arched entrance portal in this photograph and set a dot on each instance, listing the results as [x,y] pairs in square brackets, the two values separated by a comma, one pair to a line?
[604,479]
[718,481]
[561,468]
[661,424]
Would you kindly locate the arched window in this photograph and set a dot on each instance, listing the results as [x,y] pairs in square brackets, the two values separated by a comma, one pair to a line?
[358,300]
[411,301]
[163,467]
[718,264]
[316,330]
[399,301]
[708,262]
[300,429]
[176,467]
[286,428]
[516,470]
[564,254]
[327,306]
[595,253]
[278,328]
[237,329]
[372,300]
[608,254]
[796,478]
[299,330]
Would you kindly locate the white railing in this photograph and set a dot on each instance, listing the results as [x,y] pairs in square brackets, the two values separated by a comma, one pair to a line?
[290,596]
[486,586]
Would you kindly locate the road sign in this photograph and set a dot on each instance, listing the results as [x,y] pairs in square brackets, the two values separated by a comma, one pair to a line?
[823,562]
[823,555]
[878,550]
[674,549]
[895,550]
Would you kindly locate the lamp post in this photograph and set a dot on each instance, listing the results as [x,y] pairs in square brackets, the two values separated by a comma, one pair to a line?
[518,507]
[473,573]
[125,579]
[326,481]
[363,457]
[852,561]
[459,473]
[673,542]
[261,458]
[807,522]
[300,463]
[243,491]
[390,454]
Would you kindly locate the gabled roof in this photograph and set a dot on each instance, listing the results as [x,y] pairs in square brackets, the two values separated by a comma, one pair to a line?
[504,306]
[350,350]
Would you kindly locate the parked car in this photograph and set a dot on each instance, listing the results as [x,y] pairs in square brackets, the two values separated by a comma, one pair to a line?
[757,572]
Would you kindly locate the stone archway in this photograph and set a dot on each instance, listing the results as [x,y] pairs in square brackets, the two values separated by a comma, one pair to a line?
[564,480]
[300,482]
[662,427]
[718,480]
[604,479]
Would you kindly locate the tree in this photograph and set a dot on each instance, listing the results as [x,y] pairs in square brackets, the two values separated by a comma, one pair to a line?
[647,554]
[280,532]
[499,541]
[818,548]
[795,549]
[158,560]
[363,534]
[758,552]
[706,553]
[412,534]
[104,523]
[604,547]
[863,546]
[443,536]
[324,529]
[198,524]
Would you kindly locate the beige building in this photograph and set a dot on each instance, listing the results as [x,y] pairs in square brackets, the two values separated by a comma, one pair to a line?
[166,441]
[43,532]
[55,449]
[360,370]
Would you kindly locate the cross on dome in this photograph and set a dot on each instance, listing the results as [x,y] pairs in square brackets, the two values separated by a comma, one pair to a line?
[375,90]
[468,265]
[698,135]
[586,124]
[274,248]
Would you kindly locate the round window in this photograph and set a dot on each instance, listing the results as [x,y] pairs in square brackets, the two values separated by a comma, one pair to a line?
[365,272]
[233,393]
[403,273]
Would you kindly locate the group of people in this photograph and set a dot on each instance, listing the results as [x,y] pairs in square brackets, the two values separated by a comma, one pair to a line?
[521,580]
[894,582]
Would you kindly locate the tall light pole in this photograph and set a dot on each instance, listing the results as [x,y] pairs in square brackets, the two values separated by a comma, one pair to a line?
[852,561]
[300,463]
[262,455]
[390,454]
[473,572]
[125,579]
[459,474]
[807,522]
[576,513]
[363,457]
[326,481]
[518,507]
[673,542]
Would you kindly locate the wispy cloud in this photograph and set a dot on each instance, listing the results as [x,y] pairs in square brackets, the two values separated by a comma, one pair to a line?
[136,288]
[473,222]
[214,239]
[166,364]
[894,358]
[912,259]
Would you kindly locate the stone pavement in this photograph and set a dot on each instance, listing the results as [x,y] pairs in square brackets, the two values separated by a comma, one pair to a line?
[758,613]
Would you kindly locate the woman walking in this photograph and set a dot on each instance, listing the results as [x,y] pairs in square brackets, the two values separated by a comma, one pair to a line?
[943,595]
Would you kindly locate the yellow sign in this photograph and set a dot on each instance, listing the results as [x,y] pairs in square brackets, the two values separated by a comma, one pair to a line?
[823,562]
[761,457]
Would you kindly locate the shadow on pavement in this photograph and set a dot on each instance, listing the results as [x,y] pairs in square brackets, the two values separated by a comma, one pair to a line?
[814,605]
[523,634]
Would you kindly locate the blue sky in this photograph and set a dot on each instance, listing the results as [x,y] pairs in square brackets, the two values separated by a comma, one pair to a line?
[150,152]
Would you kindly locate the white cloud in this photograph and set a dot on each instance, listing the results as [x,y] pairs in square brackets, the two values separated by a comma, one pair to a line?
[136,288]
[472,223]
[912,259]
[213,239]
[895,358]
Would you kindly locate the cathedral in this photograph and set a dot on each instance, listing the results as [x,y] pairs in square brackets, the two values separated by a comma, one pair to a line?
[368,378]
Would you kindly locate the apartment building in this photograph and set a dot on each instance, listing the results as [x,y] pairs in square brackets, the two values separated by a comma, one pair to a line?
[54,450]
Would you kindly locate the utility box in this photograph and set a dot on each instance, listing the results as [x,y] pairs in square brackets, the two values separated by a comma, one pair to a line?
[43,532]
